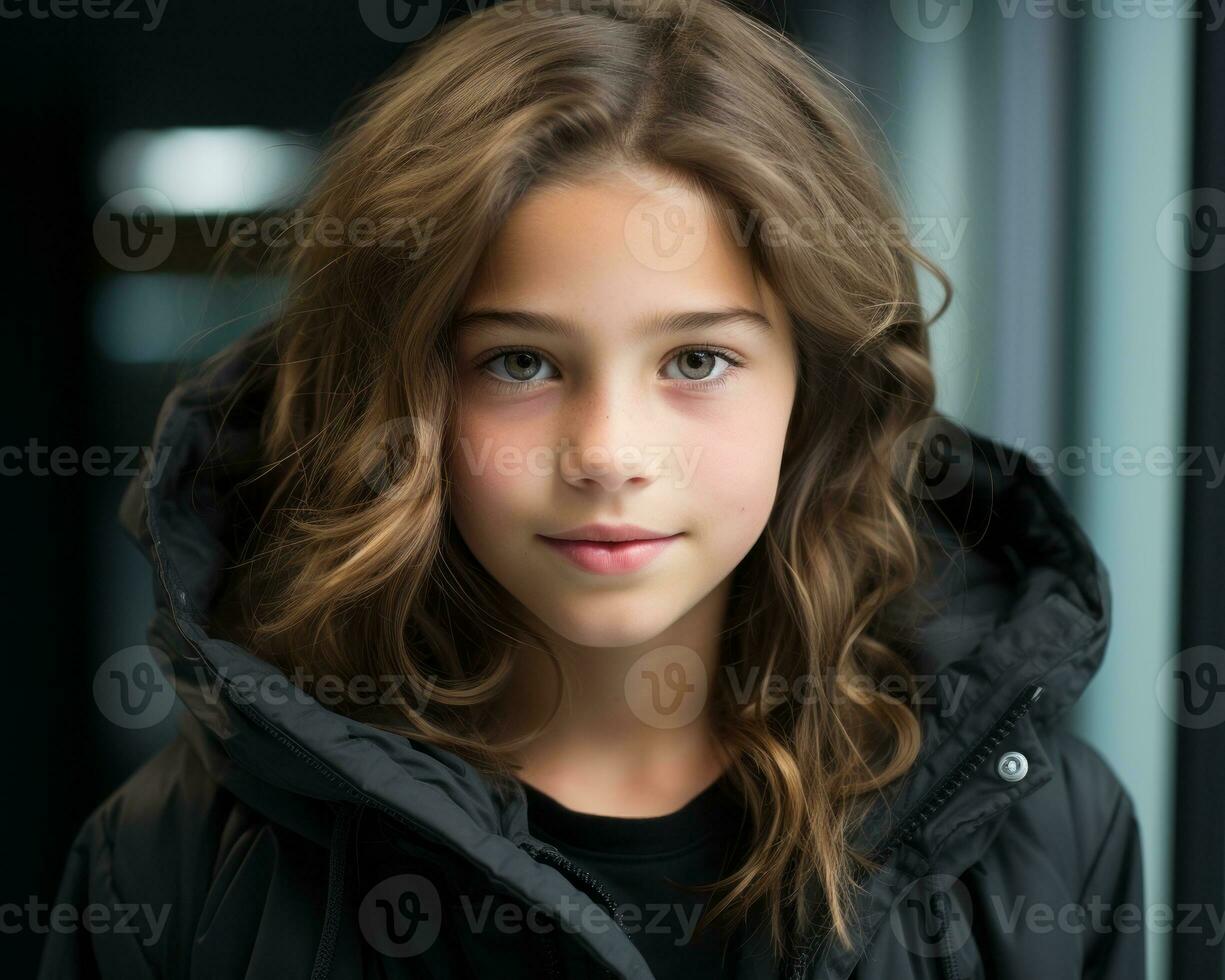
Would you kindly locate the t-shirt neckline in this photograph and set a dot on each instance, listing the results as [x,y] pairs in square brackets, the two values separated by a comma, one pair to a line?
[712,810]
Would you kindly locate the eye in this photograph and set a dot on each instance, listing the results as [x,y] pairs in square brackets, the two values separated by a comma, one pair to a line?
[521,366]
[702,364]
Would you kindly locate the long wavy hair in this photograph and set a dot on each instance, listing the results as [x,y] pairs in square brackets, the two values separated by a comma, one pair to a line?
[341,576]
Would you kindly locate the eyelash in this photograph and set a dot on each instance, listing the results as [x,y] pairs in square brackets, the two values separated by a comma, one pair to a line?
[734,363]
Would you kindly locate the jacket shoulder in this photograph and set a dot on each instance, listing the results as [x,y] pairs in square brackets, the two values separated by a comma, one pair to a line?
[168,806]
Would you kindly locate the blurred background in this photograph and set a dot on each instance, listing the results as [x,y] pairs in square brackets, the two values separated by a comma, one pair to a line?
[1063,160]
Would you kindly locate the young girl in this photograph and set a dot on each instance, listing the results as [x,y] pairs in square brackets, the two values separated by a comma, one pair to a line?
[574,579]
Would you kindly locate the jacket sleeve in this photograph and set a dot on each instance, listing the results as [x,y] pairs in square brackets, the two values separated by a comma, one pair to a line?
[1113,893]
[137,874]
[93,933]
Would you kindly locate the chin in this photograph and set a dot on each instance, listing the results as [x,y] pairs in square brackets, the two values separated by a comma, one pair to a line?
[587,622]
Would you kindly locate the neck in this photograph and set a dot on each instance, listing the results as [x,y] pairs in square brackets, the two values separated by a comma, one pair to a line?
[633,733]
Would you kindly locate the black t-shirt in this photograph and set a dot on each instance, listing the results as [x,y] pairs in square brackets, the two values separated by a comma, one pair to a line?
[633,856]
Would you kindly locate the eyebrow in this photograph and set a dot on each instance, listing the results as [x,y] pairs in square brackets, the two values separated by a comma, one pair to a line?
[651,326]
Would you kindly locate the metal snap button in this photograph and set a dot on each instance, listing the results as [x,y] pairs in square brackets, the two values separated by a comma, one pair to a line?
[1012,766]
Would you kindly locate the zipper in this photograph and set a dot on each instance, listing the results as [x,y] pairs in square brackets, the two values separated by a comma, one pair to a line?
[551,855]
[548,854]
[937,797]
[947,964]
[943,791]
[336,870]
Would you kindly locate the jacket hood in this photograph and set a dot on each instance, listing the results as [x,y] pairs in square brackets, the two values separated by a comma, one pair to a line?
[1022,627]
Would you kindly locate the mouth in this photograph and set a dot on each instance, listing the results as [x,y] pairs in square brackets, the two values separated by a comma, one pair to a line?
[603,557]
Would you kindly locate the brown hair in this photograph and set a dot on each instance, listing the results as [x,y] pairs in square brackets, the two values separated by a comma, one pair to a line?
[353,581]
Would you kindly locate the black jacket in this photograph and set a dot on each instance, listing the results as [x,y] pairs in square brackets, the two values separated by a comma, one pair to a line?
[280,839]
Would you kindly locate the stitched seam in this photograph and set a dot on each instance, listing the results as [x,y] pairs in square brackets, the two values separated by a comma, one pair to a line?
[1107,836]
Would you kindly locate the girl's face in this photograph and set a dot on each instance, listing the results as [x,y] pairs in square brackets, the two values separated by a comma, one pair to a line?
[618,364]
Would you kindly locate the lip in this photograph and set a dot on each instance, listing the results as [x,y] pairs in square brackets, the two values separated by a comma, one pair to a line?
[600,531]
[620,548]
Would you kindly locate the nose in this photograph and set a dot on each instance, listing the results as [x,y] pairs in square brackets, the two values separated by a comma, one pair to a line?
[603,444]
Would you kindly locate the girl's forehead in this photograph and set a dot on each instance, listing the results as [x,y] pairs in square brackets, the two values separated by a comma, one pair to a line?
[614,251]
[676,219]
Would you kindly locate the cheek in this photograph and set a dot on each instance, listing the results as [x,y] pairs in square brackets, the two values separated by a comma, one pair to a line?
[735,478]
[492,469]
